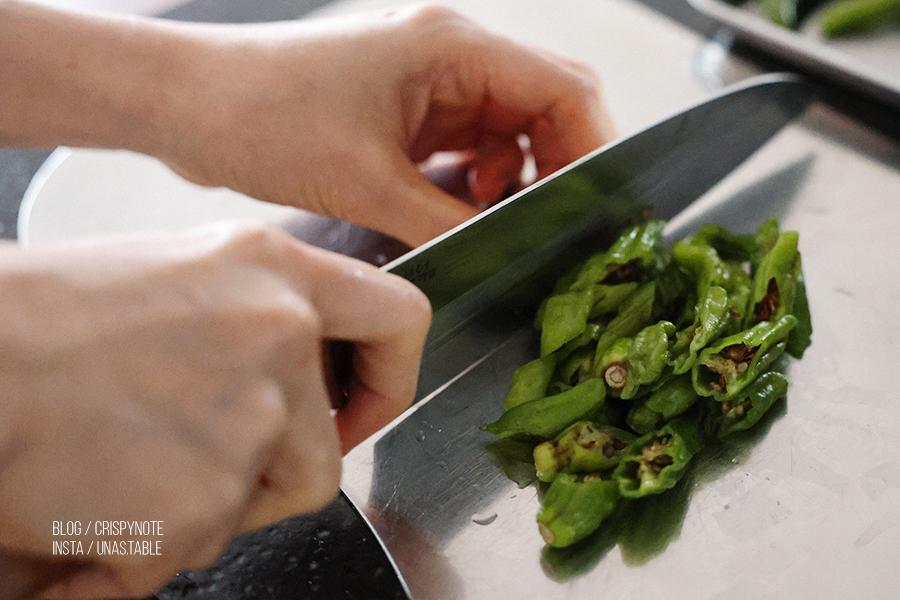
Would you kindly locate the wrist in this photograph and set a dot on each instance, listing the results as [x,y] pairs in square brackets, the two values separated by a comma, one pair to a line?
[88,80]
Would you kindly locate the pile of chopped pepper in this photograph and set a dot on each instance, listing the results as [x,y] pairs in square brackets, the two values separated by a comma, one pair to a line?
[646,354]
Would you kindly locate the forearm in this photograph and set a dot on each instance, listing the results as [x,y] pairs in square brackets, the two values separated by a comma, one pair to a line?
[89,80]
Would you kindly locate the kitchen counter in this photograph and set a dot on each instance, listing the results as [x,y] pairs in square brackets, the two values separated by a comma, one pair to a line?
[828,176]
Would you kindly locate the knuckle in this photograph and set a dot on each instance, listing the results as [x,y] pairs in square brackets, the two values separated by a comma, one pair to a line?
[417,306]
[433,15]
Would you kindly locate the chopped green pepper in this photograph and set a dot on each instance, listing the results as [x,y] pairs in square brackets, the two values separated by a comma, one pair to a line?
[565,318]
[775,281]
[612,365]
[654,462]
[631,319]
[548,416]
[711,317]
[632,255]
[572,509]
[746,409]
[530,381]
[582,448]
[729,365]
[673,398]
[646,358]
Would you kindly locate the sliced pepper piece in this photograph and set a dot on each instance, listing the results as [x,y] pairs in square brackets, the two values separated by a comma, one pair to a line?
[582,448]
[573,508]
[647,357]
[564,319]
[751,404]
[711,317]
[609,298]
[729,245]
[670,400]
[729,365]
[703,262]
[774,283]
[530,381]
[633,317]
[613,366]
[548,416]
[655,462]
[633,255]
[800,337]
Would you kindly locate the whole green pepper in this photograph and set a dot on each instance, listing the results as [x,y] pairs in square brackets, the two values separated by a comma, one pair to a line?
[672,399]
[655,462]
[582,448]
[548,416]
[729,365]
[573,508]
[746,409]
[530,381]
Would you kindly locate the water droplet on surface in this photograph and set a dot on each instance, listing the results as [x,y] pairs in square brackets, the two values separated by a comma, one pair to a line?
[420,436]
[485,518]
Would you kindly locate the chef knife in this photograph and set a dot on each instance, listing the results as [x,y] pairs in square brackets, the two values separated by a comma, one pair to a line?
[426,483]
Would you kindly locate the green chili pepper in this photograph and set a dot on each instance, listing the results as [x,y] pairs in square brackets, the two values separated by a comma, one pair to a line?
[612,365]
[576,367]
[609,298]
[530,381]
[670,400]
[548,416]
[739,287]
[573,508]
[632,318]
[703,262]
[730,246]
[775,281]
[646,358]
[632,255]
[766,236]
[654,462]
[850,17]
[711,317]
[800,337]
[564,319]
[729,365]
[582,448]
[746,409]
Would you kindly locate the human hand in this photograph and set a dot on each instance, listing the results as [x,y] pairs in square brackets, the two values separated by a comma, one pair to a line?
[336,115]
[180,379]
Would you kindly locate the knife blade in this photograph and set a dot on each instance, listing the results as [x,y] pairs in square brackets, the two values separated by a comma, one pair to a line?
[425,483]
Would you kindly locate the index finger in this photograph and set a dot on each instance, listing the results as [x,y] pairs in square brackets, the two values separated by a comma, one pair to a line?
[387,319]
